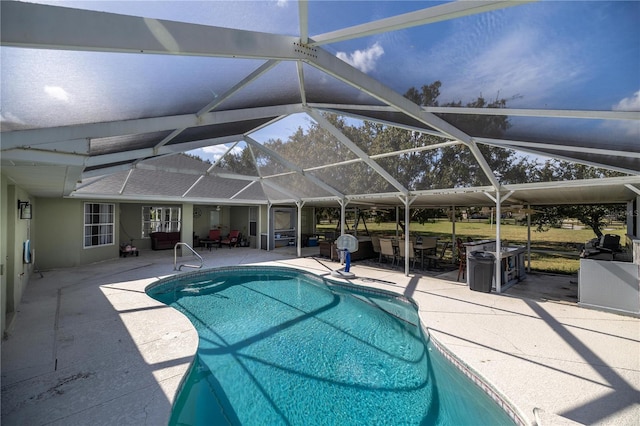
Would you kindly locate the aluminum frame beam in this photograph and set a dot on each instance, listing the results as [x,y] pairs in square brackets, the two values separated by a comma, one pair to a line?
[548,113]
[324,123]
[356,78]
[54,27]
[34,137]
[407,20]
[295,168]
[516,112]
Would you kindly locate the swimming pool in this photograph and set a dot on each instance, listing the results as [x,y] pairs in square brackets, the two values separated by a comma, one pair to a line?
[281,346]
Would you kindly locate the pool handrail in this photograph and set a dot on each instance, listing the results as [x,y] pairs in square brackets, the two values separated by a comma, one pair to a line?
[175,257]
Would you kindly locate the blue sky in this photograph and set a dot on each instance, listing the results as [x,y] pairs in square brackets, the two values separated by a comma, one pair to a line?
[582,55]
[558,54]
[550,54]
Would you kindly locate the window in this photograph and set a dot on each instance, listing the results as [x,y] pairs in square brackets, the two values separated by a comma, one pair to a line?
[98,224]
[160,219]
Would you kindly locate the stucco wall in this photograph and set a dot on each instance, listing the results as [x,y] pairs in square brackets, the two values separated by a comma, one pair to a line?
[308,220]
[14,232]
[3,251]
[131,225]
[59,241]
[239,219]
[201,223]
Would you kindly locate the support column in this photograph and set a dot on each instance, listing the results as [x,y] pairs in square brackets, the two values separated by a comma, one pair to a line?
[186,230]
[528,238]
[299,205]
[498,271]
[269,227]
[407,218]
[454,246]
[343,212]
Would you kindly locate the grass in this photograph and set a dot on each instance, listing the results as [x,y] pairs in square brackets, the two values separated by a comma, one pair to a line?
[555,251]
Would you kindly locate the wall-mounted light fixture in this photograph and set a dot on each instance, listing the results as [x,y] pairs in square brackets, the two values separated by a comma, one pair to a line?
[25,209]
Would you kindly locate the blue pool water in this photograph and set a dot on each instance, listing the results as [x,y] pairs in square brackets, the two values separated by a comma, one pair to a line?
[282,347]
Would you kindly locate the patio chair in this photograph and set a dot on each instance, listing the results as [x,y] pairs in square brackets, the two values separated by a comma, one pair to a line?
[430,245]
[603,248]
[437,258]
[232,239]
[212,238]
[387,251]
[610,242]
[375,243]
[402,254]
[462,258]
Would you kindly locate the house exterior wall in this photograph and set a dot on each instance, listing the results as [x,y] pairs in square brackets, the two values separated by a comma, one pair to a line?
[59,242]
[239,219]
[308,220]
[14,272]
[201,225]
[3,252]
[130,229]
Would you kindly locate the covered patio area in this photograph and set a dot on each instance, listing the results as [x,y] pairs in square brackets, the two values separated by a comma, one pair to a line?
[89,347]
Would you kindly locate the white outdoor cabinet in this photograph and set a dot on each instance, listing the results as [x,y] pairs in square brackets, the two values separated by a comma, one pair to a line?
[610,285]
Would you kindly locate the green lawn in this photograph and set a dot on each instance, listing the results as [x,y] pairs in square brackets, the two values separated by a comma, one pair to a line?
[556,250]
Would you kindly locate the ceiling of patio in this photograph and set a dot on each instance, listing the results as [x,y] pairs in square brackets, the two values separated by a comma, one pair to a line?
[99,97]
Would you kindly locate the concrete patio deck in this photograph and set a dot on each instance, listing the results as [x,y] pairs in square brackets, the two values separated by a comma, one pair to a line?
[89,347]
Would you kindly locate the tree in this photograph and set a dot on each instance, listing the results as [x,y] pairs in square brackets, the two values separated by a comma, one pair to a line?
[410,158]
[592,216]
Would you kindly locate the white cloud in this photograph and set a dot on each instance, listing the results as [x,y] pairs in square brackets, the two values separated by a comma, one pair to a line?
[364,60]
[521,63]
[214,152]
[629,128]
[9,121]
[629,104]
[283,129]
[8,117]
[282,3]
[218,150]
[498,56]
[57,92]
